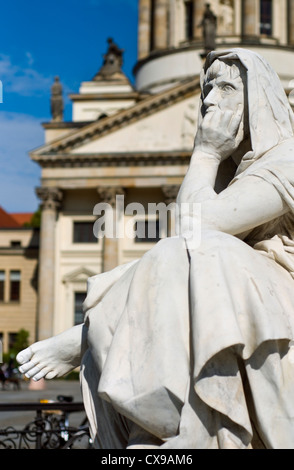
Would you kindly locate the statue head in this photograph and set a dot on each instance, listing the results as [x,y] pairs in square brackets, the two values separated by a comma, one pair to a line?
[268,117]
[224,87]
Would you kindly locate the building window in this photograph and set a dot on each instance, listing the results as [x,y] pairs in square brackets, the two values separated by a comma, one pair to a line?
[147,231]
[2,285]
[12,337]
[15,244]
[14,286]
[83,232]
[266,17]
[78,307]
[189,23]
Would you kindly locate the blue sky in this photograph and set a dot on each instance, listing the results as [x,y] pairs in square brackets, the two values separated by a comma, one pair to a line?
[38,41]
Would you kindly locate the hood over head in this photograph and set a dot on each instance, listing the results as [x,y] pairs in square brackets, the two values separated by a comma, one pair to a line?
[271,119]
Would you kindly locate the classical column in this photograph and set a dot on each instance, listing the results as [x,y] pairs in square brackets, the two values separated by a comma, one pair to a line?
[198,10]
[110,240]
[291,22]
[160,24]
[250,19]
[50,201]
[144,28]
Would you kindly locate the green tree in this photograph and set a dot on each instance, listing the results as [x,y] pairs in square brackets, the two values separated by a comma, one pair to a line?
[21,342]
[35,221]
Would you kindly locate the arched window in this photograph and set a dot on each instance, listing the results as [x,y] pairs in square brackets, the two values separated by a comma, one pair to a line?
[266,17]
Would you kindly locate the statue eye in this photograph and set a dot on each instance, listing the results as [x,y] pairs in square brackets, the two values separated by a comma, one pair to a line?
[228,87]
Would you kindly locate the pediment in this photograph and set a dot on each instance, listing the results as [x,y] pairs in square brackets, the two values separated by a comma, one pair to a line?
[168,129]
[78,275]
[159,122]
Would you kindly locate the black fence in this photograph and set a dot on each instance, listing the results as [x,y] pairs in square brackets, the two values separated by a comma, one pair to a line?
[49,429]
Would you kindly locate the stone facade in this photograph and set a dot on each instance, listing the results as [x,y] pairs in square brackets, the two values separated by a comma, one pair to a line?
[129,153]
[18,254]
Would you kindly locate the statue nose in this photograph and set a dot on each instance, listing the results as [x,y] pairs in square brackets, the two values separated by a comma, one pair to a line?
[211,99]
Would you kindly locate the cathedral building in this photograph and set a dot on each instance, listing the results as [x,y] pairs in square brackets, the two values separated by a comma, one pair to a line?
[133,143]
[171,36]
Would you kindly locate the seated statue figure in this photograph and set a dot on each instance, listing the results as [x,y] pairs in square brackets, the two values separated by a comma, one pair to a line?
[191,346]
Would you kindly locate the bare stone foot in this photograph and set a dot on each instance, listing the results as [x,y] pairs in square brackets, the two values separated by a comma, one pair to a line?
[51,358]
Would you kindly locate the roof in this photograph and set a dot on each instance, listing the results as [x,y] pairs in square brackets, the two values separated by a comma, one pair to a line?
[23,217]
[16,220]
[144,107]
[7,221]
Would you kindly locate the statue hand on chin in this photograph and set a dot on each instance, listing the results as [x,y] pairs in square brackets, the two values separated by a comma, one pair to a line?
[220,133]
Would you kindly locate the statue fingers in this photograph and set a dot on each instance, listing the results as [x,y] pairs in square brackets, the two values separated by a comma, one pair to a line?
[236,120]
[226,119]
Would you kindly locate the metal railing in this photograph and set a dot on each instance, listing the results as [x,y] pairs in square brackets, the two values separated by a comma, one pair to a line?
[49,429]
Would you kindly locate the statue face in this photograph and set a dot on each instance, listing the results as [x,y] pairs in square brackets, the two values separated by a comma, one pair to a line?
[224,88]
[223,92]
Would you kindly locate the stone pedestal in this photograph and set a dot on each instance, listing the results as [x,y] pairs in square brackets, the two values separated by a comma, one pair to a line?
[144,28]
[50,200]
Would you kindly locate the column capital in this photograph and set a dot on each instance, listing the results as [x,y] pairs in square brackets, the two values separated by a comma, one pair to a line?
[108,194]
[50,197]
[170,192]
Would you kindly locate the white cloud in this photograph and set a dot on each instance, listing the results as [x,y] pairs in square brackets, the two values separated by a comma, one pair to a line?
[19,133]
[30,58]
[25,81]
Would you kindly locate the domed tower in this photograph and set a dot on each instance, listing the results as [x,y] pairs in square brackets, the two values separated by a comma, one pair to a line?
[171,39]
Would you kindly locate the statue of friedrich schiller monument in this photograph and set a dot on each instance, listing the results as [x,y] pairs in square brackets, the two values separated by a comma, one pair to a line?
[190,347]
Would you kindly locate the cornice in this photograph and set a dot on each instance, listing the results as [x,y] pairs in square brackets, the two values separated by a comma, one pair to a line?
[104,96]
[180,157]
[146,107]
[22,251]
[197,45]
[71,125]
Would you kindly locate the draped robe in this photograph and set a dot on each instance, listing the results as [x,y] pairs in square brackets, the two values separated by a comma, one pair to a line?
[191,347]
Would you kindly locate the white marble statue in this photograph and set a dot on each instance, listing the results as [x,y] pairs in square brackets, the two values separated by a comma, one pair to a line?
[190,347]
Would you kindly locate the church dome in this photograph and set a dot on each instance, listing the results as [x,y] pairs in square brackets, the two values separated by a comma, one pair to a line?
[171,39]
